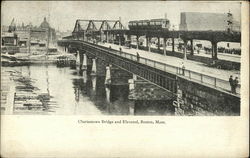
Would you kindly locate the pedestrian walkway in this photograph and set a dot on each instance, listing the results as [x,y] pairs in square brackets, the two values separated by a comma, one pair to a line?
[193,66]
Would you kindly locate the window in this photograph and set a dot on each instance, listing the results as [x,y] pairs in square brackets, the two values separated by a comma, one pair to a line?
[158,23]
[145,23]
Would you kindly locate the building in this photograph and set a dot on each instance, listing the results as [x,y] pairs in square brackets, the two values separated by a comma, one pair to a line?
[9,39]
[22,36]
[50,32]
[9,43]
[196,21]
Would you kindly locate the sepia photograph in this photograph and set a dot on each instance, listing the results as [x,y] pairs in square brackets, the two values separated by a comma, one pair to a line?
[129,78]
[180,60]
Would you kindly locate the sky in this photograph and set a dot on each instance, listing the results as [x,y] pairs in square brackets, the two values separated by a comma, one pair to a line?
[63,14]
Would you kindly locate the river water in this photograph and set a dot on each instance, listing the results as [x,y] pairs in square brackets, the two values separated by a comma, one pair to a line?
[67,91]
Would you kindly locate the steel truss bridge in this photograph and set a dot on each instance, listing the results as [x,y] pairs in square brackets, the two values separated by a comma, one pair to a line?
[107,29]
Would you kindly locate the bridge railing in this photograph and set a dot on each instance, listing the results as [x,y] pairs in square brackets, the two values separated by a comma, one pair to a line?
[188,74]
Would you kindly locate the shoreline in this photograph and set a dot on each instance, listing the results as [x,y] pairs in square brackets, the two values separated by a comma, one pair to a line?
[26,60]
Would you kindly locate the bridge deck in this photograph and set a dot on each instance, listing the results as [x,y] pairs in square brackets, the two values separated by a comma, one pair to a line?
[208,72]
[189,65]
[223,56]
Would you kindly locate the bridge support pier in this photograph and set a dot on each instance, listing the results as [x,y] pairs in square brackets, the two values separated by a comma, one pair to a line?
[164,46]
[214,50]
[146,42]
[84,65]
[149,44]
[147,96]
[116,76]
[81,60]
[159,42]
[178,103]
[185,50]
[119,76]
[132,81]
[100,67]
[192,47]
[137,42]
[172,44]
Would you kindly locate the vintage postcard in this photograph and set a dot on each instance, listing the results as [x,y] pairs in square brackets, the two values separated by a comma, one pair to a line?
[124,78]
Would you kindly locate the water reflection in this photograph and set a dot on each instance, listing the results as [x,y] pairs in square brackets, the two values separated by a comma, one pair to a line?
[107,94]
[93,79]
[67,91]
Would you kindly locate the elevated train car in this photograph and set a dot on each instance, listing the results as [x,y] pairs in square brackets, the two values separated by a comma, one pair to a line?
[153,24]
[159,24]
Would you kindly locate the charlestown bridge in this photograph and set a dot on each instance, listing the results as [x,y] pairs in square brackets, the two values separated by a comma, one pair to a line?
[101,46]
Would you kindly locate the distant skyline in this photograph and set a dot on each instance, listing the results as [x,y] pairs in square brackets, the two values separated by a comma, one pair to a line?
[63,14]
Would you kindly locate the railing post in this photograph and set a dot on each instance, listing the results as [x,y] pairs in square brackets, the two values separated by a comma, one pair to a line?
[146,61]
[215,82]
[201,78]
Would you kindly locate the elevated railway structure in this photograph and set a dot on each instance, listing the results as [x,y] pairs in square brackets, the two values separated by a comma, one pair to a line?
[114,30]
[90,32]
